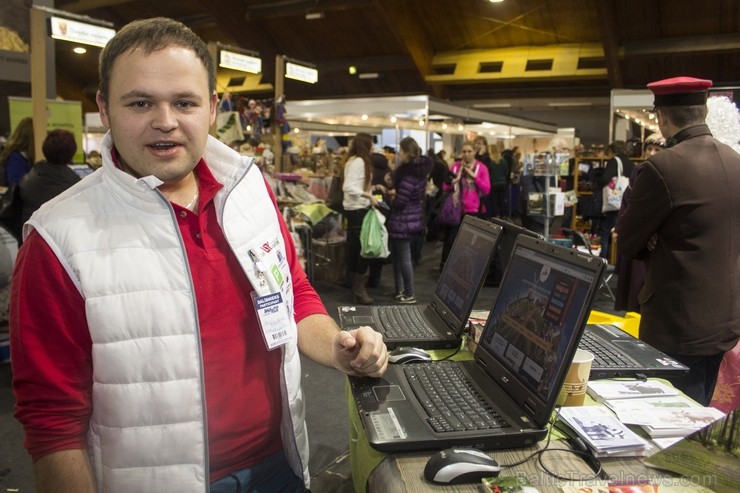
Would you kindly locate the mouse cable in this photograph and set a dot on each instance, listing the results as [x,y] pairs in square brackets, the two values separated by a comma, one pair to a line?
[450,355]
[598,472]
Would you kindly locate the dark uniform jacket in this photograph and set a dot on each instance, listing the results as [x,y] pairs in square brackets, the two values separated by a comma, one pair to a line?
[689,194]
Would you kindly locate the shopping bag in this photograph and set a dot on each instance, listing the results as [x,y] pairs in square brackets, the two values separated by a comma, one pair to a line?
[611,198]
[374,236]
[451,212]
[229,127]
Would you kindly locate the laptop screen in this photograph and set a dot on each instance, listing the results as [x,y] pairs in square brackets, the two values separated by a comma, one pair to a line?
[466,266]
[541,306]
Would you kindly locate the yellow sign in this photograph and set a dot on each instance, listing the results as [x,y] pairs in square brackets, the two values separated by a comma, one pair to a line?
[60,114]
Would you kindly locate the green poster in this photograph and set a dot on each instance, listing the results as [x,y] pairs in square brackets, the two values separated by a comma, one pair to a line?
[60,114]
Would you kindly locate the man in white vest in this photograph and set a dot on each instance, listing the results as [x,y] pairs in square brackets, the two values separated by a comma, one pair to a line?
[158,308]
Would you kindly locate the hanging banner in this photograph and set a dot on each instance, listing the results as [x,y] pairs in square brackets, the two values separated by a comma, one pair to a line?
[66,115]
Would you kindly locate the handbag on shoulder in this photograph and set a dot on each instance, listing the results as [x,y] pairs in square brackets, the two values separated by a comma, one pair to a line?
[611,198]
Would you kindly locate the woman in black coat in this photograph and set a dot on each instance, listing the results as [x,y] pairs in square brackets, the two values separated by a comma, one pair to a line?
[49,178]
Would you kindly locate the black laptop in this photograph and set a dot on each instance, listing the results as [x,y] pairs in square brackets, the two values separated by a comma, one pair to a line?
[441,323]
[505,396]
[618,354]
[509,234]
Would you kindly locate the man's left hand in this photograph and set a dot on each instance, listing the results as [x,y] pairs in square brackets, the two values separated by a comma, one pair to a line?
[360,352]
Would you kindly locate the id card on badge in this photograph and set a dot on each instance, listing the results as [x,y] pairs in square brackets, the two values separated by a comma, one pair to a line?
[272,314]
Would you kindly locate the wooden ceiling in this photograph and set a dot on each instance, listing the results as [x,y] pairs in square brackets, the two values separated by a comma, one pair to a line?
[457,50]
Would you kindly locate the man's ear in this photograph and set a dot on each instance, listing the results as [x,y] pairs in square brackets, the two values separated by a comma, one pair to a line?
[103,109]
[214,104]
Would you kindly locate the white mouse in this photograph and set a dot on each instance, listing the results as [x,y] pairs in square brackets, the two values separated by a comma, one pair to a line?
[406,354]
[460,465]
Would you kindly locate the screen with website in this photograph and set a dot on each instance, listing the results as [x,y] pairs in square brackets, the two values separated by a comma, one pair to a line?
[537,309]
[464,269]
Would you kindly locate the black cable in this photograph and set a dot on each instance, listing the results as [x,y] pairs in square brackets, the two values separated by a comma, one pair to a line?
[587,456]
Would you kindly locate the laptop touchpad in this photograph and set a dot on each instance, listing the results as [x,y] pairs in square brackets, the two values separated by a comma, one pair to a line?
[362,319]
[388,393]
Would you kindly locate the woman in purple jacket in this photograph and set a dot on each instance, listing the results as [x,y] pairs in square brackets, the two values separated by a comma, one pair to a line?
[406,218]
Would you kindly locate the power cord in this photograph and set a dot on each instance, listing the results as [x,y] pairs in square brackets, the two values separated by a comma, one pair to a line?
[588,457]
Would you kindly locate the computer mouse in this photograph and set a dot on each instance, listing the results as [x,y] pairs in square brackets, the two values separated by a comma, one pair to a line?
[460,465]
[406,354]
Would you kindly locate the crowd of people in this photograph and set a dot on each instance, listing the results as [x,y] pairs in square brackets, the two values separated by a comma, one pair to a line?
[409,187]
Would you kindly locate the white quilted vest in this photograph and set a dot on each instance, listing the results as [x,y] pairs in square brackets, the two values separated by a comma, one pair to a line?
[118,239]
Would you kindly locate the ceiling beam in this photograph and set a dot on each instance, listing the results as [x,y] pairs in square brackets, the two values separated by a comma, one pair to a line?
[411,36]
[718,43]
[605,12]
[86,5]
[288,8]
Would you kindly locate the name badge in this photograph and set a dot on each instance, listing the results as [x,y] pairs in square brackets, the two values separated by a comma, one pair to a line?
[272,314]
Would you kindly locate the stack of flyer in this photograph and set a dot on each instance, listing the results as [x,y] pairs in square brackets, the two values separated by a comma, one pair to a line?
[657,408]
[604,434]
[607,390]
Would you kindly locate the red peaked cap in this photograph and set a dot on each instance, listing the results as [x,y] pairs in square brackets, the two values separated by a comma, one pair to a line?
[680,91]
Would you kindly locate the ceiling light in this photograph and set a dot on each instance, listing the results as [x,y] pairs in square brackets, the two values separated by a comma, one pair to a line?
[364,117]
[444,125]
[296,130]
[369,75]
[421,123]
[492,105]
[312,16]
[569,103]
[394,119]
[79,50]
[352,70]
[460,128]
[496,1]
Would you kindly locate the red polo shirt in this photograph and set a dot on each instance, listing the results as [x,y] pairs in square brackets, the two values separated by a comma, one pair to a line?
[51,345]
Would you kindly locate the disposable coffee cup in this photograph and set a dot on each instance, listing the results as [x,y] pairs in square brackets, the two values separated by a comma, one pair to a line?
[573,392]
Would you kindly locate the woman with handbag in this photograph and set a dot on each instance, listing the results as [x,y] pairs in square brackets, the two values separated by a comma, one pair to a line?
[469,181]
[616,154]
[406,220]
[357,200]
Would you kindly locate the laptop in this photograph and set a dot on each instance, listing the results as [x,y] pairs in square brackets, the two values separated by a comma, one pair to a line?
[441,323]
[618,354]
[509,234]
[520,364]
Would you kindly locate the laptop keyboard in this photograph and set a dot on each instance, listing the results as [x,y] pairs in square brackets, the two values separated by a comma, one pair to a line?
[604,356]
[404,323]
[451,402]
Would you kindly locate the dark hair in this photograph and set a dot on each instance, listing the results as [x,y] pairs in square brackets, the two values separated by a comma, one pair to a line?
[59,146]
[361,146]
[618,147]
[411,148]
[151,35]
[683,116]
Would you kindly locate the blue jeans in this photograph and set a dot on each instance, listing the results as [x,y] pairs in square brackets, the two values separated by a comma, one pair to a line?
[403,269]
[273,474]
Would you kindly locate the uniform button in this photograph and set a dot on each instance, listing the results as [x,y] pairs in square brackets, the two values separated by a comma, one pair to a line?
[183,214]
[197,235]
